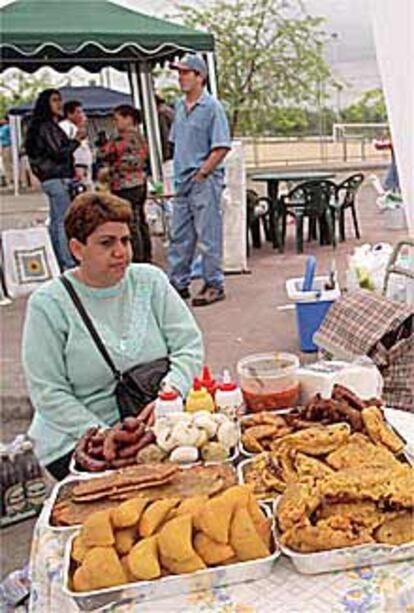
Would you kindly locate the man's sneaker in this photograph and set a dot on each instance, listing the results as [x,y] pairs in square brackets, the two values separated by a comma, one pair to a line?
[184,292]
[208,295]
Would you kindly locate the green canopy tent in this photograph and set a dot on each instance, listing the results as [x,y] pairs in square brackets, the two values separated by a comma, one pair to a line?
[95,34]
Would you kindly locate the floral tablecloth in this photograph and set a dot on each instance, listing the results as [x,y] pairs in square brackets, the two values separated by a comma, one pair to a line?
[388,588]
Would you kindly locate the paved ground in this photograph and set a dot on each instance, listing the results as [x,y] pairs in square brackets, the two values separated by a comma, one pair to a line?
[247,322]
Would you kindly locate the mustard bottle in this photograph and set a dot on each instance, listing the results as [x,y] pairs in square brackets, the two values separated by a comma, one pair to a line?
[199,399]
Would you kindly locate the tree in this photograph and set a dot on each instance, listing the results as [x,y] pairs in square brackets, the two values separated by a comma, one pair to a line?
[269,53]
[18,88]
[370,108]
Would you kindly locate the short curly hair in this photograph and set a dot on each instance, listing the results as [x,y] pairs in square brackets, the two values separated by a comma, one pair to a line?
[90,210]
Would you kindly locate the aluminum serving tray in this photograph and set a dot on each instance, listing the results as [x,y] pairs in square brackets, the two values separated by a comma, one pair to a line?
[165,587]
[53,497]
[346,557]
[82,473]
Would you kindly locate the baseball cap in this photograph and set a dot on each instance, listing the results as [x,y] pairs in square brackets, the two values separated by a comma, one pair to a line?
[191,62]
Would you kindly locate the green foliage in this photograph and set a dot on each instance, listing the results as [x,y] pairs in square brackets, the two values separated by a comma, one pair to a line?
[369,108]
[18,88]
[269,57]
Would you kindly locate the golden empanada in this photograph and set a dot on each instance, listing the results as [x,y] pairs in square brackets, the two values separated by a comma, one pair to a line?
[211,551]
[128,513]
[154,515]
[79,549]
[175,538]
[143,559]
[102,568]
[244,538]
[191,505]
[185,566]
[214,519]
[97,530]
[80,580]
[125,539]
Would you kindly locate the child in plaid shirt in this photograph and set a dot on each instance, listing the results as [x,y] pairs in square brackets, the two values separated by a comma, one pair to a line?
[125,156]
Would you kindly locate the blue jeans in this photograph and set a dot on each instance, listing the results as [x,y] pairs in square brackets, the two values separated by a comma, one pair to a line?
[57,191]
[392,182]
[197,222]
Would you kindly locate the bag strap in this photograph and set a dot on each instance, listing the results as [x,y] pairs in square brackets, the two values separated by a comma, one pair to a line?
[91,328]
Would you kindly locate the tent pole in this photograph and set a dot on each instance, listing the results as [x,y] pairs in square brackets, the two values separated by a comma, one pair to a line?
[151,120]
[134,84]
[212,74]
[15,152]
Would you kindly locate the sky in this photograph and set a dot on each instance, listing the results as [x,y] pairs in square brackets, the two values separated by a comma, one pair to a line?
[351,53]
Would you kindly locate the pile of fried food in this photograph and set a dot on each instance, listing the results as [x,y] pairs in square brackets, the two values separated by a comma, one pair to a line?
[78,499]
[262,431]
[117,447]
[141,540]
[319,451]
[354,506]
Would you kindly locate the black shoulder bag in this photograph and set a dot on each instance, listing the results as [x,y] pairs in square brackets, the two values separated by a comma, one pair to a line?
[137,386]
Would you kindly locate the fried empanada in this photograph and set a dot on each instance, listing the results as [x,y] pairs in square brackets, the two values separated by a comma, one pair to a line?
[79,549]
[396,531]
[262,523]
[102,568]
[244,538]
[125,539]
[154,515]
[237,496]
[191,505]
[128,513]
[378,430]
[210,551]
[97,530]
[214,519]
[185,566]
[80,580]
[125,565]
[143,559]
[174,538]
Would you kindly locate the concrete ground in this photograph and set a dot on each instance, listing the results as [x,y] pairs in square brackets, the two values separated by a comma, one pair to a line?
[248,321]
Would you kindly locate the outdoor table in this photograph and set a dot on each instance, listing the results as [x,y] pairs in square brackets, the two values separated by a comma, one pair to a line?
[273,179]
[372,589]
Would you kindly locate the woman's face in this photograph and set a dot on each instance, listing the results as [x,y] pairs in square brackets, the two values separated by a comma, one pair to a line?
[106,255]
[55,103]
[123,124]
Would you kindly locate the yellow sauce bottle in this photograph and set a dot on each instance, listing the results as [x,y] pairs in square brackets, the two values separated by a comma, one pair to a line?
[199,399]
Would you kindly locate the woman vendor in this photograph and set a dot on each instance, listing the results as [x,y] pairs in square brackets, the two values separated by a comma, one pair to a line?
[134,309]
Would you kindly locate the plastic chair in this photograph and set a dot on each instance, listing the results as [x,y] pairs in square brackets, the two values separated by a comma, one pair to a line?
[314,200]
[346,196]
[257,213]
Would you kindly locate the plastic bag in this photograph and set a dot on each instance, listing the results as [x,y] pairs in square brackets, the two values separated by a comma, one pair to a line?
[367,266]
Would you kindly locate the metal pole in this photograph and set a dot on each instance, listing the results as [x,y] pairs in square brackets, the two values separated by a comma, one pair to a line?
[212,74]
[151,120]
[15,152]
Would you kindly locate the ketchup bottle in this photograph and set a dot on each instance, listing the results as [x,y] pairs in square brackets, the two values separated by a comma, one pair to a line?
[207,381]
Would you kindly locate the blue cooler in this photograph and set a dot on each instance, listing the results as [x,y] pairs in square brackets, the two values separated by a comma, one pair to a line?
[311,308]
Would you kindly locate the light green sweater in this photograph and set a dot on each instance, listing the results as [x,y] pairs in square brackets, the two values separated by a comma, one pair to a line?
[71,387]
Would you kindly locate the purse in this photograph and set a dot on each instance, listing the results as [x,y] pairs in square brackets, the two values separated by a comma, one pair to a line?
[137,386]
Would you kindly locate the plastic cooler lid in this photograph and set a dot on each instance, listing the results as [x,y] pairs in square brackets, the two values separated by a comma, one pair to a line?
[295,293]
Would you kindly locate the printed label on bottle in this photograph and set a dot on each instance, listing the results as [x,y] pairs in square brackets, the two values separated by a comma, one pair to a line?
[35,492]
[14,499]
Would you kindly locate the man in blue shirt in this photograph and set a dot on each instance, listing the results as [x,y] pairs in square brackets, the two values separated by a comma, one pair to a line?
[5,142]
[201,139]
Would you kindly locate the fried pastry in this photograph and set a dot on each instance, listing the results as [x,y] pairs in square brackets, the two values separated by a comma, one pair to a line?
[244,539]
[365,513]
[128,513]
[174,538]
[191,565]
[211,552]
[100,568]
[296,505]
[378,430]
[322,537]
[191,505]
[143,559]
[401,488]
[97,530]
[214,519]
[318,440]
[154,515]
[396,531]
[361,451]
[307,466]
[79,549]
[125,539]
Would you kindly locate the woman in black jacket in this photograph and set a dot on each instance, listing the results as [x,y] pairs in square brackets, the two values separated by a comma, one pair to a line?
[50,155]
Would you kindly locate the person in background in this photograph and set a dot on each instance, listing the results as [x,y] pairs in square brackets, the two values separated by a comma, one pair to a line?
[5,141]
[50,154]
[134,308]
[75,119]
[201,139]
[391,181]
[125,156]
[165,119]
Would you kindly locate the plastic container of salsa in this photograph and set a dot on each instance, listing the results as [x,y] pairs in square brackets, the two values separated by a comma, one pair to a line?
[269,381]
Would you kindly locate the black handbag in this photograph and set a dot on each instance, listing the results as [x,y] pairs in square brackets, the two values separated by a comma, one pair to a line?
[137,386]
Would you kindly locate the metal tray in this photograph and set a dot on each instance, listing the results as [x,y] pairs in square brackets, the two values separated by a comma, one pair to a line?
[143,591]
[346,557]
[53,497]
